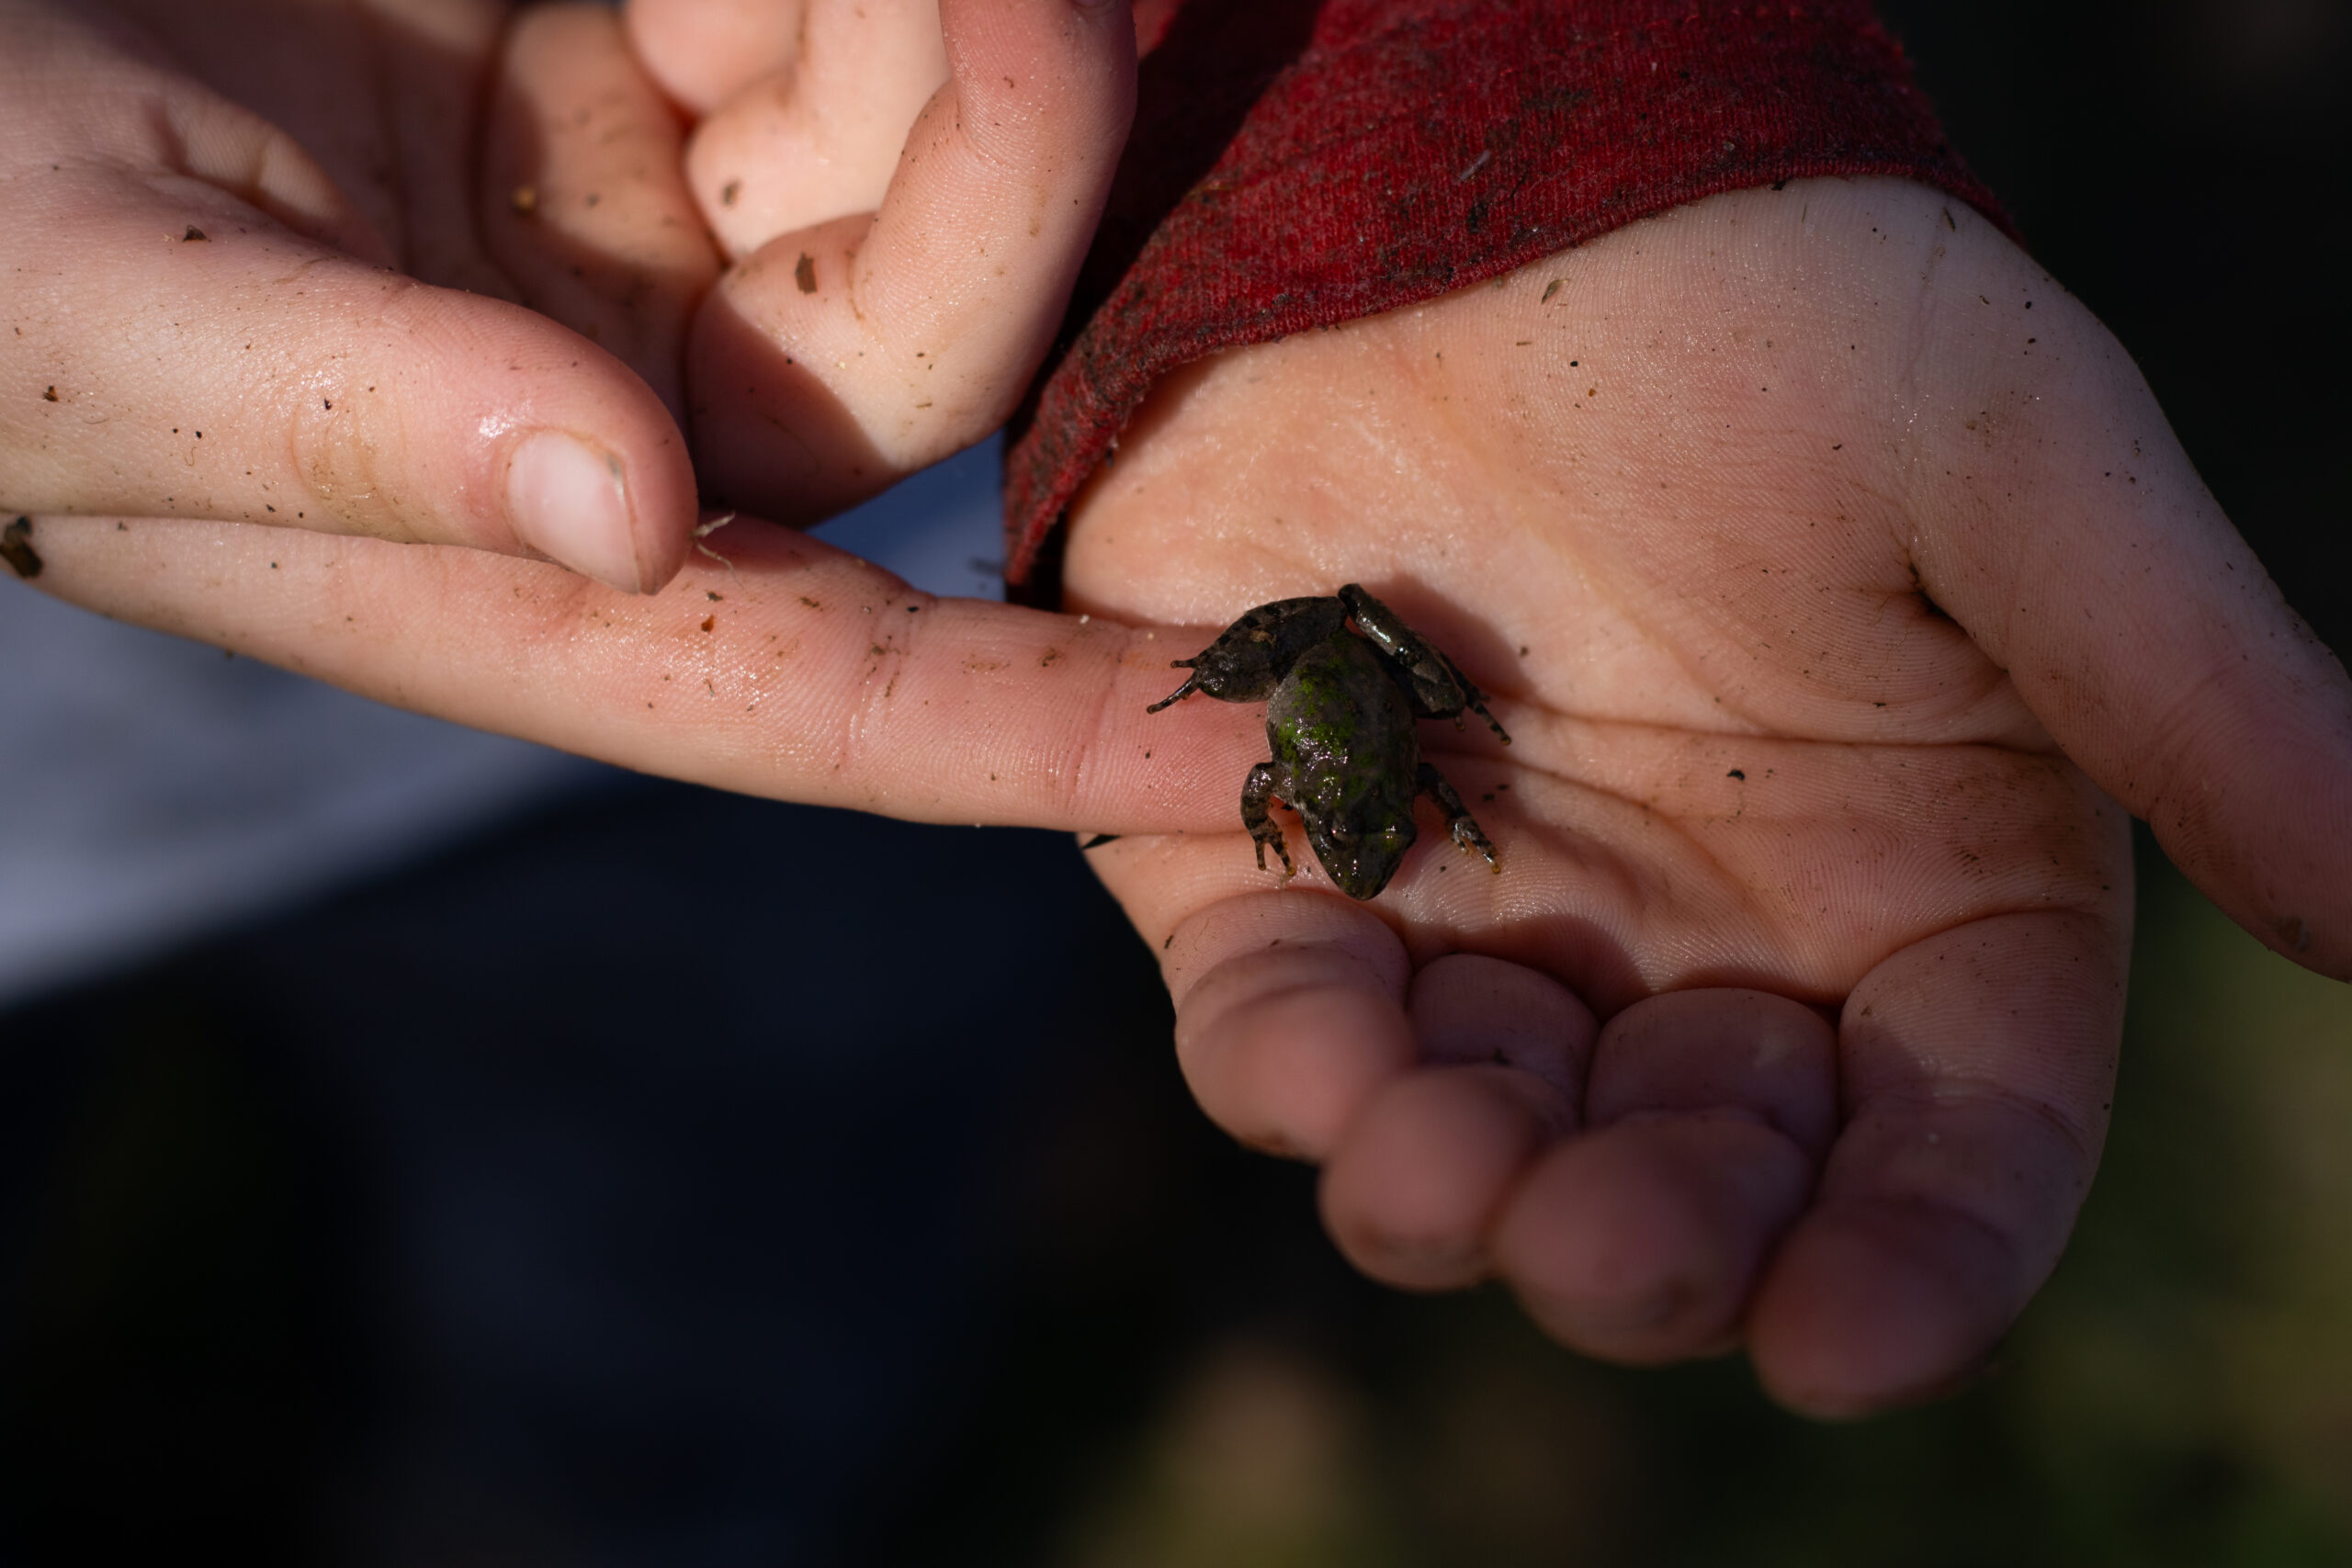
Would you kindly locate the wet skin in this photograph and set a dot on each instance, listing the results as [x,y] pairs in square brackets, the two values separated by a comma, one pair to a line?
[1343,681]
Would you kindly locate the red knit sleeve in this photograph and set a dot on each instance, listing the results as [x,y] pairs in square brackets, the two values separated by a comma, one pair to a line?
[1300,162]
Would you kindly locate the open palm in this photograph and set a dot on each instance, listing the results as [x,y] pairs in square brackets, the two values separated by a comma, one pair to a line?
[1814,545]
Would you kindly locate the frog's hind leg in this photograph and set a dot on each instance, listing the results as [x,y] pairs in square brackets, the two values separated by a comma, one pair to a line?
[1265,783]
[1459,823]
[1435,683]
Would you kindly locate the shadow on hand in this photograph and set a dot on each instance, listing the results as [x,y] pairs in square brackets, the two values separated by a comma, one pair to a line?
[769,437]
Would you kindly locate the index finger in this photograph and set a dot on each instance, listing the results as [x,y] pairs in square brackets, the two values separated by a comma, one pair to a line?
[789,669]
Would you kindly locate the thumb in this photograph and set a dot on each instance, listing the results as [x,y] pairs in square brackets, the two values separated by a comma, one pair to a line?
[2075,543]
[177,350]
[186,357]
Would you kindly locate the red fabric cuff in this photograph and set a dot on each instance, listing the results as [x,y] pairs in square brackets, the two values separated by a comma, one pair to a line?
[1300,162]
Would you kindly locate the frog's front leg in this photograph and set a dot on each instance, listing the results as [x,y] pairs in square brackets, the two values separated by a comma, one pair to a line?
[1438,687]
[1266,781]
[1458,820]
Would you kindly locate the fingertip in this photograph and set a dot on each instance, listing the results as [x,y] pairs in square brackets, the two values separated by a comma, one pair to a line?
[1720,1048]
[1289,1015]
[1975,1067]
[1469,1007]
[1875,1306]
[1030,84]
[570,499]
[1419,1173]
[1640,1243]
[1287,1069]
[574,455]
[2263,827]
[702,53]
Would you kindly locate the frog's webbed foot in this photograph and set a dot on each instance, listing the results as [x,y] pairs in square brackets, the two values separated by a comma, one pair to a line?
[1192,683]
[1459,824]
[1265,781]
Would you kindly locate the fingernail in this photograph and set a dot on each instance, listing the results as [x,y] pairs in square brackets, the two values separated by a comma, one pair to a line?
[568,501]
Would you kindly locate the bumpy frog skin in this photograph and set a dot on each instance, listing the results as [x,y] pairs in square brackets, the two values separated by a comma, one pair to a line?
[1343,680]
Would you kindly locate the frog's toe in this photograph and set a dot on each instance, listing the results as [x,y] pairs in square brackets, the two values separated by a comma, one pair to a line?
[1467,834]
[1192,683]
[1269,836]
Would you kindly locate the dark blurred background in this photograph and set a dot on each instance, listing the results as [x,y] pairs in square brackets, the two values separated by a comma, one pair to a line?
[984,1287]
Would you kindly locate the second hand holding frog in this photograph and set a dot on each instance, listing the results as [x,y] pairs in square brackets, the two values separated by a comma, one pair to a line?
[1339,718]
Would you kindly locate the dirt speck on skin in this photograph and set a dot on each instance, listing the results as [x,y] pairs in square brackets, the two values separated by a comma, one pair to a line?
[17,549]
[708,622]
[48,395]
[803,273]
[193,234]
[1051,654]
[728,192]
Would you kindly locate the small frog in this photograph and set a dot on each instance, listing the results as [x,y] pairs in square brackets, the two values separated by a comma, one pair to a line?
[1341,701]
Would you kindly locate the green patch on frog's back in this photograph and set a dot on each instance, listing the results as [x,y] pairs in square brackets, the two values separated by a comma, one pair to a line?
[1340,702]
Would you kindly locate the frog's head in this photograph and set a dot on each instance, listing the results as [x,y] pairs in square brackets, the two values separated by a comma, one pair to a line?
[1360,862]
